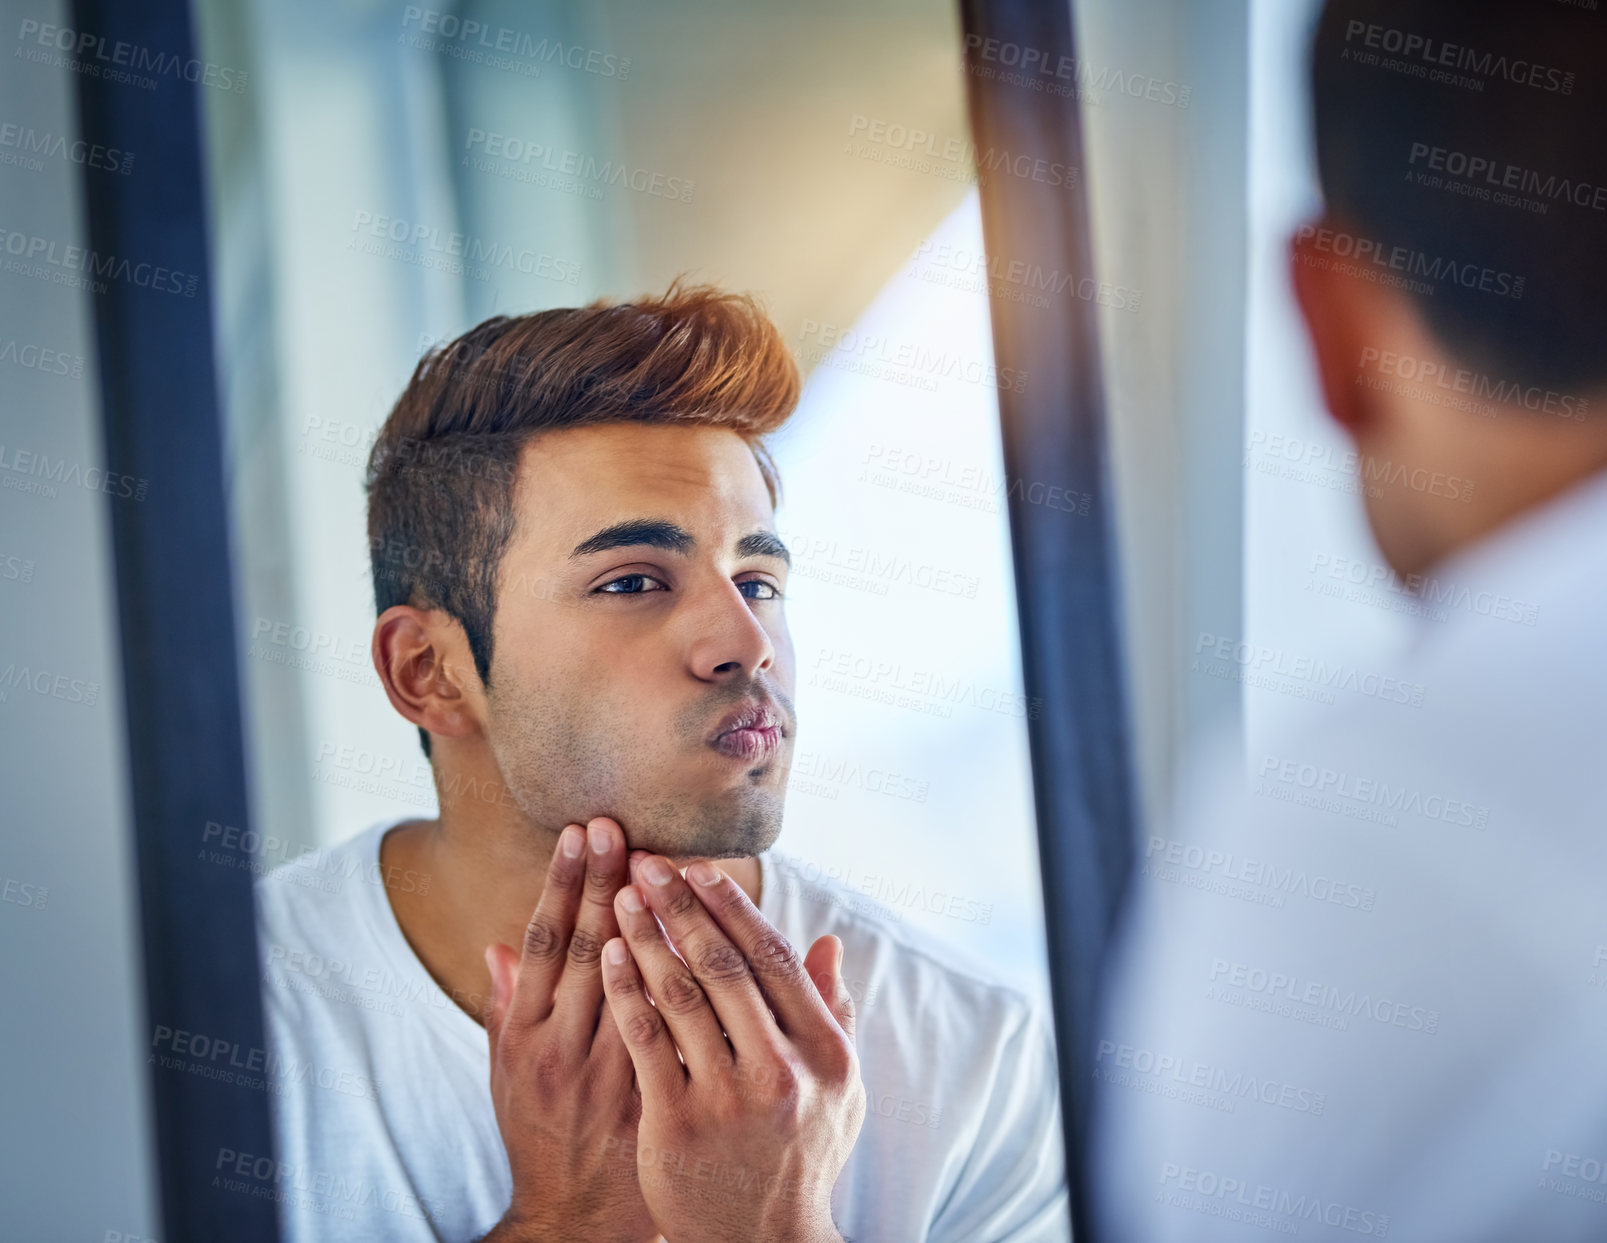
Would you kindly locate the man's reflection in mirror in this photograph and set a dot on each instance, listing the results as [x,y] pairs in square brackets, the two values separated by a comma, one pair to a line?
[589,1000]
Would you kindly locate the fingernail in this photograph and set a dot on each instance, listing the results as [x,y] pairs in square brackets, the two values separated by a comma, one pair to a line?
[491,966]
[599,839]
[616,952]
[657,871]
[631,900]
[574,843]
[704,873]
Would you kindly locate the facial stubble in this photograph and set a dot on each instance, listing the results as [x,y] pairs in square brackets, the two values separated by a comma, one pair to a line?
[564,759]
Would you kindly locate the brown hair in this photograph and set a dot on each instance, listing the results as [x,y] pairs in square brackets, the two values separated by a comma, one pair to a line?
[441,474]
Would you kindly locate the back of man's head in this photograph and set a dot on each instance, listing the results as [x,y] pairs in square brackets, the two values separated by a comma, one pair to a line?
[1465,138]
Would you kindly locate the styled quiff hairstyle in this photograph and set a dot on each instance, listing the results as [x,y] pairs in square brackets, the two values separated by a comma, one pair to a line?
[441,474]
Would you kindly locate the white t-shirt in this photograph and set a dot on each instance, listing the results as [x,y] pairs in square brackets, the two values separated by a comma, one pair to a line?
[382,1105]
[1364,994]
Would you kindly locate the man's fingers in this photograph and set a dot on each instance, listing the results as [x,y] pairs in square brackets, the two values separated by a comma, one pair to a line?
[637,1025]
[608,1052]
[546,939]
[680,1001]
[824,963]
[578,999]
[720,968]
[503,964]
[787,987]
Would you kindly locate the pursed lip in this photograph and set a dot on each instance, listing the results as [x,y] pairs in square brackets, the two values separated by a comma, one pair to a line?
[751,731]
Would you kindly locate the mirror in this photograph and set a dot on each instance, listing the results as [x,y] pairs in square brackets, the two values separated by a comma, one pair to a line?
[396,175]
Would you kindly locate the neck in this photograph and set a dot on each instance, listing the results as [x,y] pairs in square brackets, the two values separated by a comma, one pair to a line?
[1505,467]
[479,869]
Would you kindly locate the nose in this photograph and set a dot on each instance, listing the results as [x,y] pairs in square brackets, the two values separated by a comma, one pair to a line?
[727,640]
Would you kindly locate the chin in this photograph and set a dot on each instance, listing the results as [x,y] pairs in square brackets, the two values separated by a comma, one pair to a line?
[738,824]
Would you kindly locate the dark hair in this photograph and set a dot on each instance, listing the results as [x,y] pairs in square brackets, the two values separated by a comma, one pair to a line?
[1407,91]
[441,474]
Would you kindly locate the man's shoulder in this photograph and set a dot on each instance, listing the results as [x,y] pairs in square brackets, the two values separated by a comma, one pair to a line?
[894,969]
[324,922]
[961,1095]
[327,882]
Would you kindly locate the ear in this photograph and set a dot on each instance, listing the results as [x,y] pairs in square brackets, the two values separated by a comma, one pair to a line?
[423,660]
[1341,313]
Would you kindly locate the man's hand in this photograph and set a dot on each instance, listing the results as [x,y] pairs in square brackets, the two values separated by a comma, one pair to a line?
[561,1078]
[743,1134]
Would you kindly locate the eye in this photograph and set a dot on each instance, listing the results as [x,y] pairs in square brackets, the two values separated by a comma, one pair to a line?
[632,585]
[762,590]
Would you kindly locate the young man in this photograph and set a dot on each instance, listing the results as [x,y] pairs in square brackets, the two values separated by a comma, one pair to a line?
[1380,1012]
[580,595]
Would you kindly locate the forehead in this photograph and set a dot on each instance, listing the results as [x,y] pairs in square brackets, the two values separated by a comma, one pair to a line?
[575,480]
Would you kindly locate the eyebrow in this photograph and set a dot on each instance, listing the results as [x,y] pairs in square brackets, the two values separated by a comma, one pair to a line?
[661,533]
[637,532]
[763,544]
